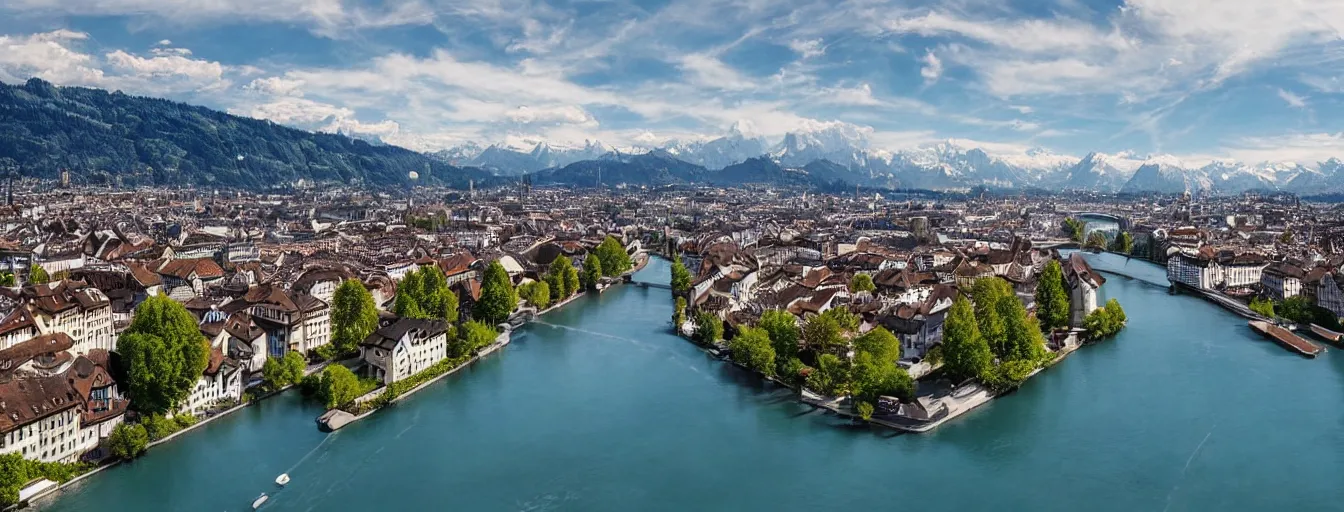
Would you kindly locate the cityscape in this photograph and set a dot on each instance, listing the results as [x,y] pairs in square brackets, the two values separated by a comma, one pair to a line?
[548,255]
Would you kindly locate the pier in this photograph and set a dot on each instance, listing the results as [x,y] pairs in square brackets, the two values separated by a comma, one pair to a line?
[1286,338]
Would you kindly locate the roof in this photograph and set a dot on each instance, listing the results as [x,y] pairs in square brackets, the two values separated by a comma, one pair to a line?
[1077,268]
[20,318]
[17,355]
[204,268]
[388,336]
[28,399]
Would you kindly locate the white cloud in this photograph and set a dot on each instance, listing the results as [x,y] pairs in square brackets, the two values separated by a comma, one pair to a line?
[1022,109]
[195,73]
[1293,100]
[51,56]
[567,114]
[932,68]
[1303,148]
[330,18]
[708,71]
[277,86]
[807,48]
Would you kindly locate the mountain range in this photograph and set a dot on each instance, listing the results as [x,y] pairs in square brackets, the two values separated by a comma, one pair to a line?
[110,137]
[839,153]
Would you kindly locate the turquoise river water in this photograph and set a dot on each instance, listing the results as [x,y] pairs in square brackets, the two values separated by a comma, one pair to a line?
[601,408]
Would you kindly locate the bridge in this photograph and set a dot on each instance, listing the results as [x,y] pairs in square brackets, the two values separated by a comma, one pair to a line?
[1089,217]
[643,284]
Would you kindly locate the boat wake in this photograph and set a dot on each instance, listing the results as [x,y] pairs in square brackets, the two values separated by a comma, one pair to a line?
[586,331]
[1188,460]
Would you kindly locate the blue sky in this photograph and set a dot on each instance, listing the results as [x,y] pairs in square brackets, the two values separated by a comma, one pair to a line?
[1249,79]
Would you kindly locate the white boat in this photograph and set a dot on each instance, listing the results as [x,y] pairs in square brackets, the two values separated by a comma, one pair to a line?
[256,504]
[282,479]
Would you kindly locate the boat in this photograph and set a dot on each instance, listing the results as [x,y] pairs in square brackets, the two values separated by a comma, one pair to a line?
[257,503]
[282,479]
[1327,334]
[1285,337]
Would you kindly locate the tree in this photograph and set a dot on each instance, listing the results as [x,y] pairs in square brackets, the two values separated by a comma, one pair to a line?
[1296,309]
[679,314]
[474,336]
[38,275]
[830,376]
[339,386]
[708,328]
[1099,323]
[1096,240]
[1118,313]
[294,366]
[782,328]
[872,378]
[681,277]
[555,287]
[965,353]
[407,303]
[1052,300]
[1123,244]
[881,343]
[536,293]
[353,316]
[847,321]
[615,261]
[273,374]
[822,334]
[7,279]
[1074,228]
[751,348]
[987,294]
[1263,306]
[1023,334]
[563,278]
[498,298]
[865,410]
[163,354]
[592,271]
[861,283]
[128,441]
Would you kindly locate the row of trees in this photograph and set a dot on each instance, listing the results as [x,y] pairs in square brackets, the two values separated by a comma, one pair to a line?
[992,339]
[681,277]
[1297,309]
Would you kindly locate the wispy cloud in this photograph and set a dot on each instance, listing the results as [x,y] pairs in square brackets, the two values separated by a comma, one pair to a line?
[1292,100]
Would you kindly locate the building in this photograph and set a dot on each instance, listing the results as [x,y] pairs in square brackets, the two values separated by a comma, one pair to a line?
[76,309]
[1083,284]
[55,407]
[292,321]
[1282,280]
[404,347]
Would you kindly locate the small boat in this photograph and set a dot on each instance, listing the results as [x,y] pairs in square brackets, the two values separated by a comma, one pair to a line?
[256,504]
[282,479]
[1326,334]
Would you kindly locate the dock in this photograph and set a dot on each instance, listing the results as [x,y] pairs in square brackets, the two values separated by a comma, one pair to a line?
[1286,338]
[1326,334]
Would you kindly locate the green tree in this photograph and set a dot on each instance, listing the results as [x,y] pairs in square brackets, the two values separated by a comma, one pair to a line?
[1263,306]
[965,353]
[1099,323]
[38,275]
[679,314]
[498,298]
[339,386]
[1296,309]
[592,271]
[830,377]
[555,286]
[751,348]
[681,277]
[7,279]
[273,374]
[1052,300]
[708,328]
[1123,244]
[881,343]
[478,335]
[1117,313]
[353,316]
[1096,240]
[782,328]
[865,410]
[849,322]
[407,304]
[1022,332]
[872,378]
[128,441]
[1075,229]
[163,354]
[987,294]
[294,366]
[615,261]
[861,283]
[158,426]
[563,278]
[536,293]
[822,334]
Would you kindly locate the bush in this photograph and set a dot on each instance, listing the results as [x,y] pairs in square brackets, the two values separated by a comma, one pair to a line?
[128,441]
[1105,321]
[184,420]
[159,427]
[865,410]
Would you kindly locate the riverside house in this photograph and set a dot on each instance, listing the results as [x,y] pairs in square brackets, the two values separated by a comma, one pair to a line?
[404,347]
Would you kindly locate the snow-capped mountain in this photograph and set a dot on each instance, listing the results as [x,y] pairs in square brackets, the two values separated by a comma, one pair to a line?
[733,148]
[518,158]
[832,153]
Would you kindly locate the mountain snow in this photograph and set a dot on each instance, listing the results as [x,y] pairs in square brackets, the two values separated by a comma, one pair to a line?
[948,164]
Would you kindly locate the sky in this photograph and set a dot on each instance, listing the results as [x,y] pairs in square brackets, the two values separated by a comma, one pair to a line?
[1254,80]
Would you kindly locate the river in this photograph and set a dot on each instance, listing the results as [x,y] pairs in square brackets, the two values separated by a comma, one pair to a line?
[600,408]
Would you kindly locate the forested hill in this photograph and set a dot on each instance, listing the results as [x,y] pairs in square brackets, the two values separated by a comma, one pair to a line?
[104,136]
